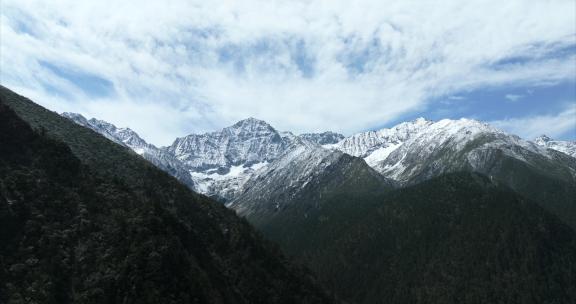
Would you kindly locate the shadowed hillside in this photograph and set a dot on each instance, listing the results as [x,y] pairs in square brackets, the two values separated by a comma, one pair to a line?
[111,228]
[458,238]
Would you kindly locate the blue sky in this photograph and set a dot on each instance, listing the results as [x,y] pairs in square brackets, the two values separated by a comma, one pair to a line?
[169,68]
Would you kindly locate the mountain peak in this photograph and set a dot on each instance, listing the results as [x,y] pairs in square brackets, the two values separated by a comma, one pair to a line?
[103,124]
[72,115]
[543,138]
[566,147]
[77,118]
[251,121]
[420,120]
[463,124]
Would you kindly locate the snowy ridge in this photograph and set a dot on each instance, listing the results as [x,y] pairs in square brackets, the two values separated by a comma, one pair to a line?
[325,138]
[247,141]
[225,163]
[452,145]
[375,146]
[274,181]
[221,162]
[130,139]
[567,147]
[363,144]
[122,136]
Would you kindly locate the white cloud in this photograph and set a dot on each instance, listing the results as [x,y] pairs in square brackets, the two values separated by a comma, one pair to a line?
[455,97]
[513,97]
[562,124]
[183,66]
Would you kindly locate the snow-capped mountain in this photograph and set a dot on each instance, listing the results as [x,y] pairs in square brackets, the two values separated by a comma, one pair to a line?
[130,139]
[122,136]
[416,151]
[248,141]
[568,147]
[300,179]
[217,163]
[324,138]
[375,146]
[451,145]
[220,162]
[81,120]
[447,146]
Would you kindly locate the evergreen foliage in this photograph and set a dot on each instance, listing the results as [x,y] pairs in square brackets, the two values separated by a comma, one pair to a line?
[114,229]
[458,238]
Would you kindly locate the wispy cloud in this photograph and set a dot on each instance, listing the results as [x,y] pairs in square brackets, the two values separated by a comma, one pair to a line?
[455,97]
[303,66]
[513,97]
[560,125]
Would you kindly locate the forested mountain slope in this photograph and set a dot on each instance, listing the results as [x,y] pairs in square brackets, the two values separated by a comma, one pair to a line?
[83,220]
[457,238]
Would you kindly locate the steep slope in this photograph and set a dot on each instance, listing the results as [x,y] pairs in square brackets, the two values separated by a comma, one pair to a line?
[91,124]
[128,138]
[247,141]
[324,138]
[86,221]
[375,146]
[216,164]
[567,147]
[458,238]
[221,162]
[286,199]
[545,175]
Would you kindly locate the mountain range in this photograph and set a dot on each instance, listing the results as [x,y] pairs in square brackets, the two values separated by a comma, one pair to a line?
[327,199]
[219,163]
[449,211]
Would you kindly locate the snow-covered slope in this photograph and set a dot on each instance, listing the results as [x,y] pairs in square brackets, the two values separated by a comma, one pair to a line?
[375,146]
[300,179]
[247,142]
[216,164]
[414,152]
[277,181]
[81,120]
[220,162]
[451,145]
[545,175]
[324,138]
[122,136]
[130,139]
[568,147]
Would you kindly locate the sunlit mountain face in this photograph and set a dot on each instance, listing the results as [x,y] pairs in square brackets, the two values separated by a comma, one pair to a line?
[302,67]
[288,152]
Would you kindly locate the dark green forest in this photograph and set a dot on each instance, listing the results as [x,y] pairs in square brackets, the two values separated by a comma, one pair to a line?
[117,230]
[459,238]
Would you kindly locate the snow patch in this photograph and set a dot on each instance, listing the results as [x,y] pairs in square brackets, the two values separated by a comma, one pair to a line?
[380,154]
